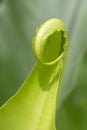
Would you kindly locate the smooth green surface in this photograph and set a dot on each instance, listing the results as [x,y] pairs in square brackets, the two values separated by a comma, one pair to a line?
[33,106]
[18,21]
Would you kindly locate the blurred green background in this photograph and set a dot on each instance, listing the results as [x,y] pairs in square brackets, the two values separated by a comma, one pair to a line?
[18,22]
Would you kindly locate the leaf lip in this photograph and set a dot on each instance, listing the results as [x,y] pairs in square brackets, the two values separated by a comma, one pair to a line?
[43,32]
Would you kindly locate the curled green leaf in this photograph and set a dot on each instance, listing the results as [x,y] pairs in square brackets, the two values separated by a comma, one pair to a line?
[33,106]
[49,44]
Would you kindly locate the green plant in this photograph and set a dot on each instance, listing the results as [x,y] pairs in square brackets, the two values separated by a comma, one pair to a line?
[33,106]
[18,20]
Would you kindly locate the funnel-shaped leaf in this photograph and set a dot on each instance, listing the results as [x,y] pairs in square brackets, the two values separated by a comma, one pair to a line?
[33,106]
